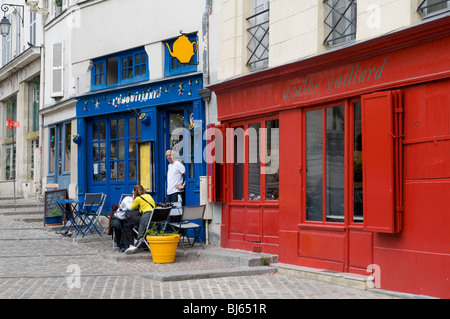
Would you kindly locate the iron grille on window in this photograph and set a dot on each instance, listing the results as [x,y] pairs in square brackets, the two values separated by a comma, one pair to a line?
[258,44]
[429,7]
[341,21]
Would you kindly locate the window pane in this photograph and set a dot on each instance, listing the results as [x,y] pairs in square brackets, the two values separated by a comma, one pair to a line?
[113,170]
[254,170]
[314,165]
[52,150]
[137,71]
[132,127]
[112,71]
[121,150]
[121,171]
[113,129]
[95,131]
[67,150]
[132,149]
[335,156]
[137,58]
[113,150]
[357,168]
[95,152]
[102,131]
[95,167]
[238,164]
[132,170]
[103,151]
[272,162]
[103,172]
[121,128]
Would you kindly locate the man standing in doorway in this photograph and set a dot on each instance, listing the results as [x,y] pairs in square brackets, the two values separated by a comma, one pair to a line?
[175,179]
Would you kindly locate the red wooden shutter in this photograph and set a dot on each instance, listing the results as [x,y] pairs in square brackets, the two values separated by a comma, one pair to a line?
[215,150]
[382,161]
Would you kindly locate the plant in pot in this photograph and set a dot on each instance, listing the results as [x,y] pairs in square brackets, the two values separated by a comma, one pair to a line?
[54,217]
[163,245]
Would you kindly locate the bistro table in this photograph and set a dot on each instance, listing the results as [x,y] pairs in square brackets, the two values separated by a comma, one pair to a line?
[74,211]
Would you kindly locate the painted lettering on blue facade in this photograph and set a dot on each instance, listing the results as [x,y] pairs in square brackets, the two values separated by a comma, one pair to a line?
[136,97]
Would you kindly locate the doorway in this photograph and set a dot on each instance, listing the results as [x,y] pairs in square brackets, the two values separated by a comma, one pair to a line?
[60,147]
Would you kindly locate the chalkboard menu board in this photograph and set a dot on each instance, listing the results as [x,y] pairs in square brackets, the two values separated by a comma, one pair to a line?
[51,206]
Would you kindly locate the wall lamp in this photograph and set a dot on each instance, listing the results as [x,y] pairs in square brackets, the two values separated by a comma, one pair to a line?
[5,25]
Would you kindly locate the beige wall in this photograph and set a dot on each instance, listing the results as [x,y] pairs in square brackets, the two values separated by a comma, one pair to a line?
[297,29]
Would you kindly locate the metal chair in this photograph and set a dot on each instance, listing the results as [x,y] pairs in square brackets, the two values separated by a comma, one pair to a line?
[159,215]
[190,215]
[92,207]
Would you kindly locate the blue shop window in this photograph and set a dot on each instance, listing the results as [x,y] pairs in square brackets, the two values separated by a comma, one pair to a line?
[120,69]
[172,65]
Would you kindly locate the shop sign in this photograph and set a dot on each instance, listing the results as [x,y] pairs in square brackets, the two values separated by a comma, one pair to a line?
[355,75]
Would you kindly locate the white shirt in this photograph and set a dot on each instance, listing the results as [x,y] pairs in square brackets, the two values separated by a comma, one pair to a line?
[123,207]
[175,173]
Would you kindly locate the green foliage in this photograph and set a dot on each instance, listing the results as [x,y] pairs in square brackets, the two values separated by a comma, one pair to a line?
[54,212]
[154,231]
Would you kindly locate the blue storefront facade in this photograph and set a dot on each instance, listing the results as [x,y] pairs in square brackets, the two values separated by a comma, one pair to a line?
[123,133]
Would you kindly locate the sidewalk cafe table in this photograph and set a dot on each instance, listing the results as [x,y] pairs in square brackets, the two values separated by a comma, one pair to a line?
[74,217]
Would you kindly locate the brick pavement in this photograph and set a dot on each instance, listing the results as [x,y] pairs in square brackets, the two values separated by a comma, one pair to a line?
[36,264]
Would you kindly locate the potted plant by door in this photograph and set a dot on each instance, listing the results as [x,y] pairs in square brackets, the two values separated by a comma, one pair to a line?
[163,246]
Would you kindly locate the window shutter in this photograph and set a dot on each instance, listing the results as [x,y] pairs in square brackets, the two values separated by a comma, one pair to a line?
[215,149]
[57,70]
[382,161]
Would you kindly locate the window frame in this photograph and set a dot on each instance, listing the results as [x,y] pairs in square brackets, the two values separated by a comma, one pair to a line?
[423,6]
[348,35]
[262,146]
[120,67]
[184,68]
[348,217]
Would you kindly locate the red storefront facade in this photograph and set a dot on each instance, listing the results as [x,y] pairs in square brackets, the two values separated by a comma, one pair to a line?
[362,152]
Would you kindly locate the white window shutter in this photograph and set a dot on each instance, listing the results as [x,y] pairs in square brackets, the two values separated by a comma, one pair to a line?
[58,70]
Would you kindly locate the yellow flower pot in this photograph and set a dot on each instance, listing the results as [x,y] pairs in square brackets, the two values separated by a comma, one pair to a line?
[163,248]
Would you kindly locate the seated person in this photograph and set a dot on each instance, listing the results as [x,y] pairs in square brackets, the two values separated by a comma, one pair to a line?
[117,221]
[146,204]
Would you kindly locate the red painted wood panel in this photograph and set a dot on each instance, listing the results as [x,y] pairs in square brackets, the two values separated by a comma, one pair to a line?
[378,162]
[326,245]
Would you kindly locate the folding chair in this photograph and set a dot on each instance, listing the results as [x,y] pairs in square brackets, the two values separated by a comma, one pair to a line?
[159,215]
[92,207]
[190,215]
[99,213]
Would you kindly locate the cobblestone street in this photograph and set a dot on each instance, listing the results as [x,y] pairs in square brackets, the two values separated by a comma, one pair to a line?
[38,263]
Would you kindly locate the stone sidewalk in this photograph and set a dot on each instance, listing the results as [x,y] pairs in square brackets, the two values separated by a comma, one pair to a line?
[37,263]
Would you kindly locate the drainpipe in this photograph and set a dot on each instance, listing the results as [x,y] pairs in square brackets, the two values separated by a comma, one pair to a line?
[41,102]
[205,38]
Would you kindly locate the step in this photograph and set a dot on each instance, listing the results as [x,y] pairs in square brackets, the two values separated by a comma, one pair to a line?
[238,257]
[212,273]
[343,279]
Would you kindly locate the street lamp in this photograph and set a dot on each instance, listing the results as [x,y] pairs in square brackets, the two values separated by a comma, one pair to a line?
[5,25]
